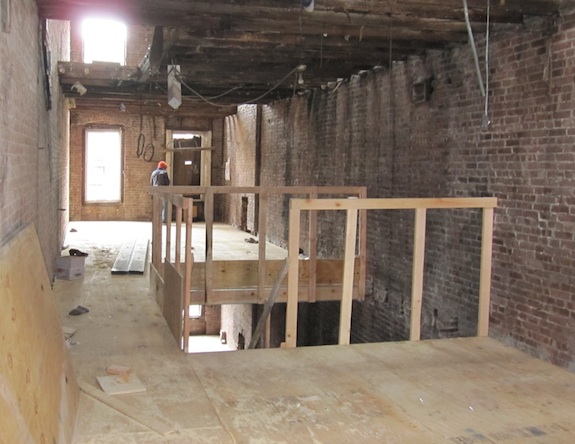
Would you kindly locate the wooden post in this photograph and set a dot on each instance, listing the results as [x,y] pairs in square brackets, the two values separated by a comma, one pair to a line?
[209,218]
[312,253]
[293,272]
[262,246]
[189,258]
[485,272]
[348,273]
[179,236]
[157,233]
[362,248]
[417,274]
[168,224]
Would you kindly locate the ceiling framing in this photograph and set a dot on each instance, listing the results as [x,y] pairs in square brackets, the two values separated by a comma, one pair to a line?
[239,51]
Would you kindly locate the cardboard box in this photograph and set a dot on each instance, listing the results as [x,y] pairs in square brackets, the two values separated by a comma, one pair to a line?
[70,267]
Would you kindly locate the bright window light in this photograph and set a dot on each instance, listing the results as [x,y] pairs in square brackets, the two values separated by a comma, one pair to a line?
[103,166]
[195,311]
[104,41]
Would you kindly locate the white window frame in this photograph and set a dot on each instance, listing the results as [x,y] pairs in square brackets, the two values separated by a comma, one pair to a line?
[103,165]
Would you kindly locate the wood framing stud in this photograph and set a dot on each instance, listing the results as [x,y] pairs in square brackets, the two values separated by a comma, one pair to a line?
[417,274]
[348,273]
[485,273]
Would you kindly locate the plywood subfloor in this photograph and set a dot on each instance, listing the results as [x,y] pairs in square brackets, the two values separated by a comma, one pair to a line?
[229,243]
[38,389]
[462,391]
[106,238]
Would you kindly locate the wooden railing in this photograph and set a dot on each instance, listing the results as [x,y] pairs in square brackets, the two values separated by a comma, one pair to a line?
[352,207]
[165,263]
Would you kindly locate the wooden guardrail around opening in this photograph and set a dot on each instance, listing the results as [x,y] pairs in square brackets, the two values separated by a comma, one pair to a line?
[352,206]
[176,283]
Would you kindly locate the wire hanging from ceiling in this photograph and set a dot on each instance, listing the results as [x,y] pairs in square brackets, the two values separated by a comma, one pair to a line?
[485,122]
[251,101]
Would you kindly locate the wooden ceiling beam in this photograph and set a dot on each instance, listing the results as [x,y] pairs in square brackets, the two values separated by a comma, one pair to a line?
[177,12]
[245,48]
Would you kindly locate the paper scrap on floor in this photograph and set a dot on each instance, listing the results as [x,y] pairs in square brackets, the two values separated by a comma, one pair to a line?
[117,385]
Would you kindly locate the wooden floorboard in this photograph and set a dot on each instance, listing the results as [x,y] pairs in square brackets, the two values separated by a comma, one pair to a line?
[460,391]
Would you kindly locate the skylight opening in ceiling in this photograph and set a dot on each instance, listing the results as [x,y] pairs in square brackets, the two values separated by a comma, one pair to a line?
[104,41]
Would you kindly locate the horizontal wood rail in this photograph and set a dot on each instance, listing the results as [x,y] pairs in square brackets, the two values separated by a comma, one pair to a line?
[420,206]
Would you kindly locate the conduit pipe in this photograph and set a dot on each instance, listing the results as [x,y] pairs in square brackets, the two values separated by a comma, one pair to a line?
[473,48]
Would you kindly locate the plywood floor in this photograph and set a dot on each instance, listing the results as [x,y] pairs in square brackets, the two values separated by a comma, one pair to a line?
[462,391]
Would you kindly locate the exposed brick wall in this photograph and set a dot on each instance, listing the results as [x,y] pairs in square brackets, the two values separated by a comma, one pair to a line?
[237,322]
[240,142]
[32,137]
[209,323]
[136,203]
[369,132]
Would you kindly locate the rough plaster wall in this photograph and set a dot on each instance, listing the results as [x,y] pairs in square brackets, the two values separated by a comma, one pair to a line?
[33,139]
[370,133]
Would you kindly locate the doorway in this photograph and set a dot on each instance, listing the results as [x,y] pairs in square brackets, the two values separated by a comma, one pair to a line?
[191,160]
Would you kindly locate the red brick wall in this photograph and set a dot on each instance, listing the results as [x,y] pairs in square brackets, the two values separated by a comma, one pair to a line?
[33,138]
[369,132]
[209,323]
[136,203]
[240,141]
[237,321]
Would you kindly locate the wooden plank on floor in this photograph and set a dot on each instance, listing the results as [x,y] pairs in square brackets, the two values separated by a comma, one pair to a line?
[153,422]
[132,257]
[139,256]
[122,262]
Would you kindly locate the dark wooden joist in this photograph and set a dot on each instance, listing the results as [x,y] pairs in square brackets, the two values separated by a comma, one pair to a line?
[246,48]
[152,107]
[150,65]
[177,12]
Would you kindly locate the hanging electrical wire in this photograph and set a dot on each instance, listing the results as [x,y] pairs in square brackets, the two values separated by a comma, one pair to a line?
[273,88]
[485,122]
[473,48]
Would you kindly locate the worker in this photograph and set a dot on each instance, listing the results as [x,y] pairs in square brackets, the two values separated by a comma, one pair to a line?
[160,177]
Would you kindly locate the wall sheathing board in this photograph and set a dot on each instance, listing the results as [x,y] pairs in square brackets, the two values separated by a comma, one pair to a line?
[38,390]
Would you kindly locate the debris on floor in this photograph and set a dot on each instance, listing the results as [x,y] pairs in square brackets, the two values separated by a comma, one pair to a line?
[123,372]
[79,310]
[119,385]
[68,332]
[251,240]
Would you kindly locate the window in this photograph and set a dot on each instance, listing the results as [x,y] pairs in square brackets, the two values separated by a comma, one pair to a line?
[195,311]
[104,41]
[103,165]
